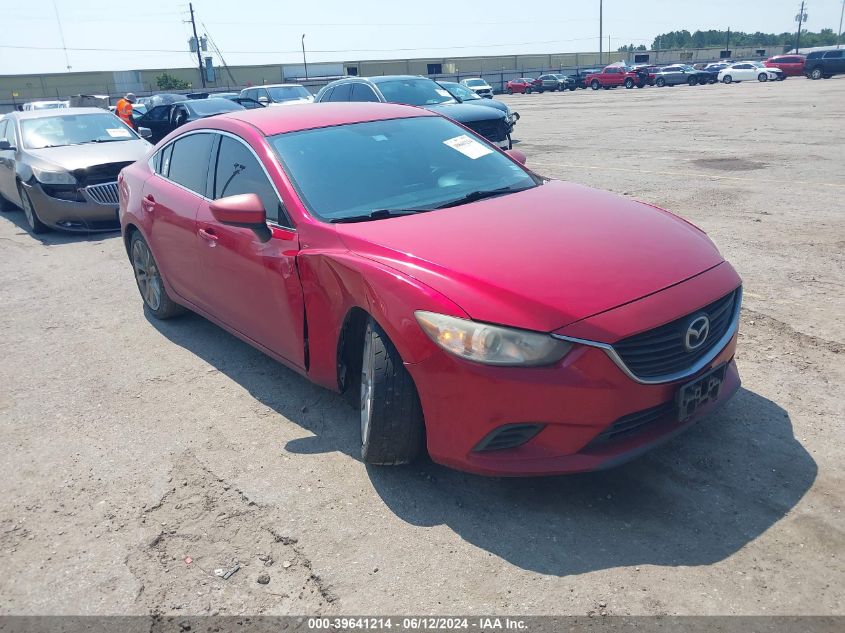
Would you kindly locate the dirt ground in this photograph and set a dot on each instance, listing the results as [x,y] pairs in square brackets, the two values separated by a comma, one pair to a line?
[138,457]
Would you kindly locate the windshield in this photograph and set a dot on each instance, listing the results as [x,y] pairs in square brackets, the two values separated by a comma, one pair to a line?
[418,163]
[476,82]
[207,107]
[461,92]
[75,129]
[288,93]
[418,92]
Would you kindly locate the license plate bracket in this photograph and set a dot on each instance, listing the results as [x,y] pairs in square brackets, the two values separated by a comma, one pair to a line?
[695,394]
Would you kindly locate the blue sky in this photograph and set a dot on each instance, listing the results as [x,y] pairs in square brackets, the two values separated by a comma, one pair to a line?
[153,34]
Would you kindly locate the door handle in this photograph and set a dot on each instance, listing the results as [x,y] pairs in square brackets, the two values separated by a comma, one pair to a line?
[148,203]
[209,236]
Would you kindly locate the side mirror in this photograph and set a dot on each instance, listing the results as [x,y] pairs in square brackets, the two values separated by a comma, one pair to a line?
[244,210]
[145,132]
[516,155]
[263,100]
[5,145]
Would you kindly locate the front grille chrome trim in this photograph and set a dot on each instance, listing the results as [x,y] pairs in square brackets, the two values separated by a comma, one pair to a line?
[696,367]
[105,193]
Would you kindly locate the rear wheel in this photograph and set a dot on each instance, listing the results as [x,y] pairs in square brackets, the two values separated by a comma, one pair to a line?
[762,77]
[149,281]
[571,88]
[392,428]
[594,84]
[36,226]
[629,83]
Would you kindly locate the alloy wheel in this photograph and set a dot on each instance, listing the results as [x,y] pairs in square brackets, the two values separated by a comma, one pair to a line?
[146,274]
[367,368]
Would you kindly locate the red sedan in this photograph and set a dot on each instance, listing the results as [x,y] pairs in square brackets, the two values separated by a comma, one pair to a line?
[506,323]
[521,85]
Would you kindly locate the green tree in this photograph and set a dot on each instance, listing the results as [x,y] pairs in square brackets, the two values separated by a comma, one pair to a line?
[630,48]
[713,39]
[167,81]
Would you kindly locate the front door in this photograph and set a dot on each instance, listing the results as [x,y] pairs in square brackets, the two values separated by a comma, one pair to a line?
[158,120]
[253,286]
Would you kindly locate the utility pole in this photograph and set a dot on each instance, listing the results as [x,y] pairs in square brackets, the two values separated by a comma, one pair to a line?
[800,18]
[304,62]
[601,38]
[197,41]
[839,37]
[728,43]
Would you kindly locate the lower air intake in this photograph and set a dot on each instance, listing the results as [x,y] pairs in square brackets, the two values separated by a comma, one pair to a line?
[508,436]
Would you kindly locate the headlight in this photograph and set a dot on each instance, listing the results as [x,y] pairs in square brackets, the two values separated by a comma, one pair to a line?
[53,177]
[491,344]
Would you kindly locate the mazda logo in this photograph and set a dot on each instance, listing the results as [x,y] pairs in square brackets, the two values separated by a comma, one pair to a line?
[697,332]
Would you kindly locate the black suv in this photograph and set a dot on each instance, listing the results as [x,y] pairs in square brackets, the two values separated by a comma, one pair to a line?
[491,123]
[824,64]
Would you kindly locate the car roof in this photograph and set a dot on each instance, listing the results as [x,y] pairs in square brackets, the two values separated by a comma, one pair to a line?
[293,118]
[275,86]
[40,114]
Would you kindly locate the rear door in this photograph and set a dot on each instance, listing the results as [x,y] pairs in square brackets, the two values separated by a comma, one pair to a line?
[253,286]
[7,161]
[834,62]
[171,199]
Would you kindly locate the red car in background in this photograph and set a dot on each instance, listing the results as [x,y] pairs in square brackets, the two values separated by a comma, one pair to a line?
[791,65]
[521,85]
[507,323]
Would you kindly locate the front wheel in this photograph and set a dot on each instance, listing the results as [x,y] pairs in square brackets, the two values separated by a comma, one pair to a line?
[762,77]
[629,83]
[594,84]
[727,79]
[660,82]
[36,226]
[510,91]
[692,81]
[148,279]
[392,428]
[816,73]
[781,77]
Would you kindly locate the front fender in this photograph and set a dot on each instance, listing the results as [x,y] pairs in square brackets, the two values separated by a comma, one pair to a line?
[335,282]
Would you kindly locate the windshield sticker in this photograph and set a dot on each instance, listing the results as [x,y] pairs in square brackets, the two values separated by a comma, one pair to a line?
[467,146]
[118,132]
[442,93]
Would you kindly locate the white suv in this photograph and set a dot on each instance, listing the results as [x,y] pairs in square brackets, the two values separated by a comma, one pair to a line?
[479,87]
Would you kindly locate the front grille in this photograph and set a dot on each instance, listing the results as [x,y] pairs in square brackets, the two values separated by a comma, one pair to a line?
[103,194]
[661,351]
[495,130]
[99,174]
[508,436]
[634,423]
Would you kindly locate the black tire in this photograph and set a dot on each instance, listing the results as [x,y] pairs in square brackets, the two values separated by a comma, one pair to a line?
[727,79]
[528,91]
[629,83]
[510,91]
[640,85]
[660,82]
[150,284]
[540,90]
[594,84]
[36,226]
[781,77]
[816,73]
[692,81]
[762,77]
[572,88]
[392,427]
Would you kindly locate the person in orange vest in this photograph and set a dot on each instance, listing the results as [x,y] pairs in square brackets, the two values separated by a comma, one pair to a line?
[124,109]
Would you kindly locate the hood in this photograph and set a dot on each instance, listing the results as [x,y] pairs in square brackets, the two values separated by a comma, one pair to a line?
[542,258]
[465,113]
[73,157]
[488,103]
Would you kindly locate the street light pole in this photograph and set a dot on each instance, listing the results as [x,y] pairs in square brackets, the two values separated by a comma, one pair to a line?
[839,37]
[601,39]
[305,63]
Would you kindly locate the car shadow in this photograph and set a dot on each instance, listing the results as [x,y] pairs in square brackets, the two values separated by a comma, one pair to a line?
[693,501]
[55,237]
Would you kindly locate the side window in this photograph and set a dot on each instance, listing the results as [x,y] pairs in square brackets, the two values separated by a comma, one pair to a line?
[262,92]
[3,125]
[158,113]
[188,161]
[238,171]
[341,93]
[161,160]
[362,92]
[833,55]
[327,95]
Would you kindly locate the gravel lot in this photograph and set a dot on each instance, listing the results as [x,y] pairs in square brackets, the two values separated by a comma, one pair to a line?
[129,445]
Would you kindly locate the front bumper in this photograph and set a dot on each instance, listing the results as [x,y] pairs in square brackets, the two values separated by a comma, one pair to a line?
[83,215]
[576,400]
